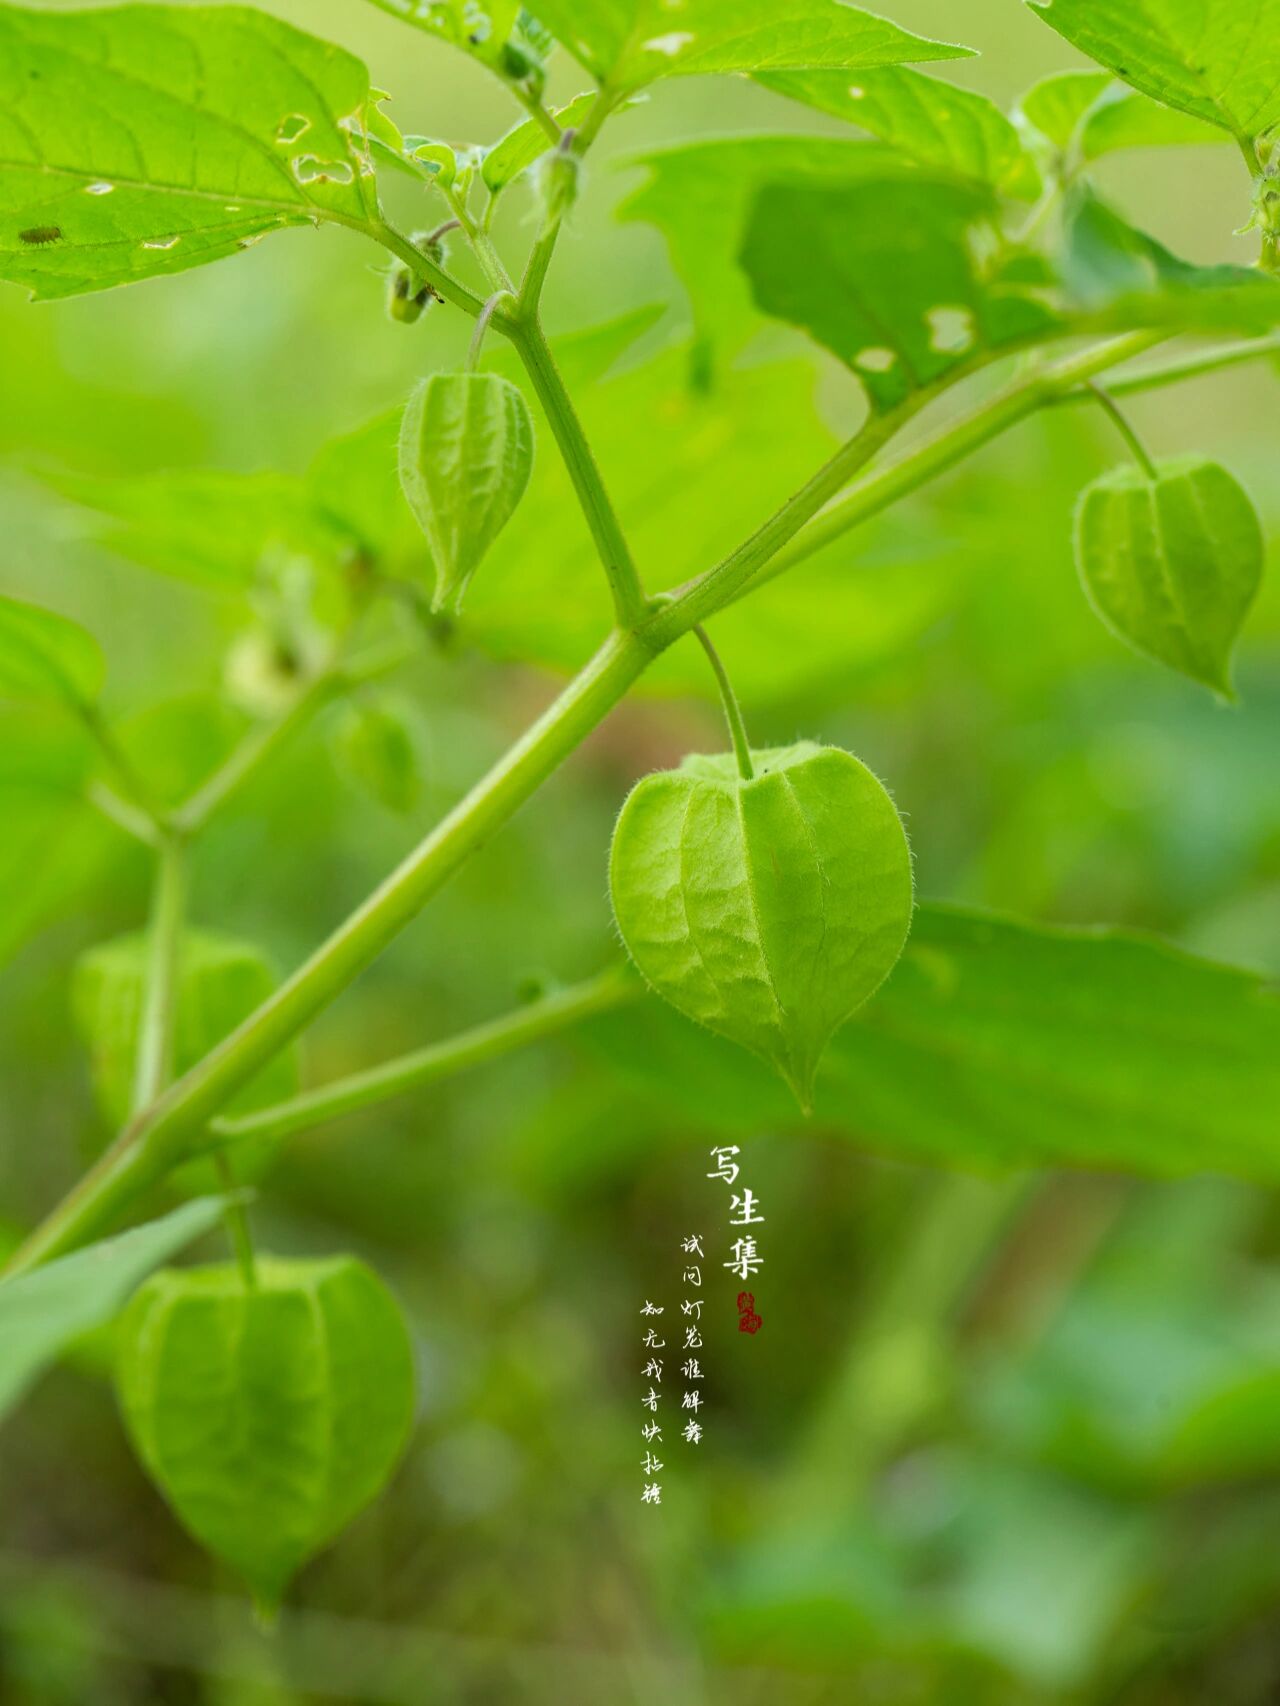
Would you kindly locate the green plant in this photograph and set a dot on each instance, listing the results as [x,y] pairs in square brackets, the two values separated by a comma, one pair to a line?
[767,894]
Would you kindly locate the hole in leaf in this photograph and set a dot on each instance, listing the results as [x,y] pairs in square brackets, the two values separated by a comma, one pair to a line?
[160,242]
[951,330]
[875,359]
[291,127]
[98,189]
[307,169]
[671,45]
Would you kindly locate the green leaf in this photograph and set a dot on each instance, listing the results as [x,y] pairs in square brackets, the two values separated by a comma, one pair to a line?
[996,1043]
[698,194]
[767,910]
[1108,266]
[888,274]
[627,43]
[1055,105]
[1087,111]
[143,140]
[46,657]
[225,531]
[45,1309]
[926,120]
[466,453]
[221,981]
[269,1417]
[1122,118]
[499,33]
[1173,564]
[54,845]
[376,749]
[528,142]
[1215,59]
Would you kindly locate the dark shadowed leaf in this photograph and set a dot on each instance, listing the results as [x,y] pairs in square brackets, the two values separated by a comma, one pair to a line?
[998,1044]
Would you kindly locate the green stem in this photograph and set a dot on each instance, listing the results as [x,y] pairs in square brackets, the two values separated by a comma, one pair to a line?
[535,272]
[118,761]
[1174,372]
[474,1047]
[1122,425]
[482,326]
[531,345]
[538,113]
[886,486]
[124,815]
[258,747]
[730,579]
[732,709]
[482,244]
[443,283]
[237,1223]
[152,1146]
[153,1066]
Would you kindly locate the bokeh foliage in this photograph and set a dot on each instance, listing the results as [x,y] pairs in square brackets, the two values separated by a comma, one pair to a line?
[1008,1437]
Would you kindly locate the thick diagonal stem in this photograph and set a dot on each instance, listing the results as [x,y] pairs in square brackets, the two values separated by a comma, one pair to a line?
[149,1148]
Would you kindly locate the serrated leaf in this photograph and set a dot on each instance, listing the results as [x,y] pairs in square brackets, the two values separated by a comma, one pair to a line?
[1173,564]
[268,1417]
[220,982]
[628,43]
[887,273]
[1108,265]
[44,656]
[528,142]
[142,140]
[1215,59]
[769,909]
[466,453]
[996,1043]
[924,119]
[45,1309]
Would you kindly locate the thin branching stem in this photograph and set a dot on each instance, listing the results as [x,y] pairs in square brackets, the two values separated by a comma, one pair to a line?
[1125,428]
[732,709]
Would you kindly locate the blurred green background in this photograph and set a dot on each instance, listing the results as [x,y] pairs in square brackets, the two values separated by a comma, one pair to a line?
[1003,1441]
